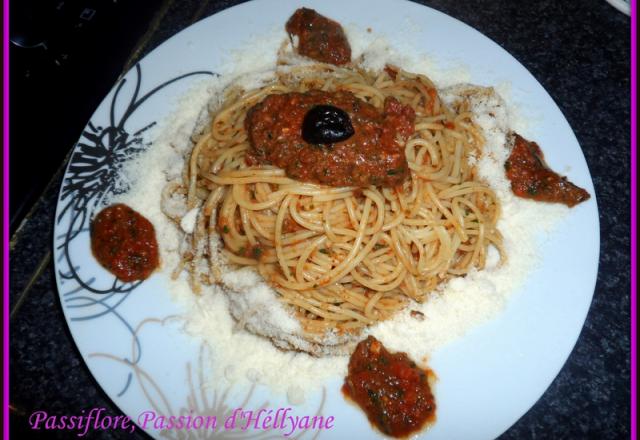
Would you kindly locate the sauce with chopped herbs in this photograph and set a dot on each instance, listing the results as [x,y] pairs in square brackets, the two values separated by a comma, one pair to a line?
[124,243]
[319,38]
[390,389]
[252,251]
[372,155]
[531,178]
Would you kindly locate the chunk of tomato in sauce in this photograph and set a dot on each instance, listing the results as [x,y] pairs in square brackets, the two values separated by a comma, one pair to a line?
[124,242]
[319,37]
[531,177]
[390,388]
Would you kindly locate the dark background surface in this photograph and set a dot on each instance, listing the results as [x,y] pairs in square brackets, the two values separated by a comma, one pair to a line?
[578,51]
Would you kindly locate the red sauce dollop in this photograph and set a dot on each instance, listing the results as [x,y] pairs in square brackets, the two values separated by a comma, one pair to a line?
[531,178]
[124,243]
[319,38]
[371,156]
[390,389]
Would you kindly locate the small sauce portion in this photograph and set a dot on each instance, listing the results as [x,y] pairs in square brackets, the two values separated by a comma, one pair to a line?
[319,38]
[390,389]
[372,155]
[124,243]
[531,177]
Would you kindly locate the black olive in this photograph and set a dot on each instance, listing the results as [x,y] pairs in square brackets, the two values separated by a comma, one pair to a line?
[326,124]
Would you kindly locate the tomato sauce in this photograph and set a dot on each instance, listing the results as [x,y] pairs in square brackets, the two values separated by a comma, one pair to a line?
[390,389]
[124,243]
[319,38]
[531,178]
[371,156]
[251,251]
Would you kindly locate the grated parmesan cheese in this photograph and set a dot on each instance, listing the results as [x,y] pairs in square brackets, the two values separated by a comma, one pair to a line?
[188,222]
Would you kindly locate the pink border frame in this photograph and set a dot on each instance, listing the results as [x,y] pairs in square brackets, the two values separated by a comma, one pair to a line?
[5,218]
[633,147]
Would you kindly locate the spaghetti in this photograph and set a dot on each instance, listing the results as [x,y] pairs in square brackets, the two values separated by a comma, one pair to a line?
[341,258]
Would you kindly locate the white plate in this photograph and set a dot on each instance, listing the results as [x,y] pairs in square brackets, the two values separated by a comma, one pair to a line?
[621,5]
[136,352]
